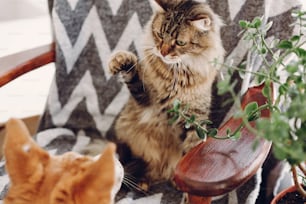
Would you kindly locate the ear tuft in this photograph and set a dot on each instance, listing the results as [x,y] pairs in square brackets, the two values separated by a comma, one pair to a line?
[203,23]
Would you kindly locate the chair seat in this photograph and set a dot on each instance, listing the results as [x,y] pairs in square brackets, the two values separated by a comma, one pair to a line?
[198,173]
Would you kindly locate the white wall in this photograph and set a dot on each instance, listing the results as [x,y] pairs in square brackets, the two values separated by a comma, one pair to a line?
[24,24]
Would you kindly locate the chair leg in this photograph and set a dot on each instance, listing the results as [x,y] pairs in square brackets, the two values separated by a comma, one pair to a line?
[198,199]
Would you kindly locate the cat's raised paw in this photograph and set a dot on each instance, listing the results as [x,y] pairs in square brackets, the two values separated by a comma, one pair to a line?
[122,61]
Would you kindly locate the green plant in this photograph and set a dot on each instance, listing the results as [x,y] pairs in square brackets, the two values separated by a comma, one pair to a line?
[284,66]
[180,112]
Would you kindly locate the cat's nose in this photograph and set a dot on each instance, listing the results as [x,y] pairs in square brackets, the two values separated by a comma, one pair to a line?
[165,50]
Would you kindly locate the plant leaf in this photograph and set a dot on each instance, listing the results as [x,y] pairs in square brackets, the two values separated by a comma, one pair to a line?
[300,52]
[268,26]
[191,119]
[256,23]
[176,104]
[223,86]
[175,117]
[206,122]
[213,132]
[243,24]
[236,136]
[285,44]
[266,91]
[292,68]
[200,133]
[283,88]
[295,38]
[251,108]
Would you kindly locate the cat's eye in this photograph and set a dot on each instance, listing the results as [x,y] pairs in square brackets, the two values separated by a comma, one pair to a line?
[180,43]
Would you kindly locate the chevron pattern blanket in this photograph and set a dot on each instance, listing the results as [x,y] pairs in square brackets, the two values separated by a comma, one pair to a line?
[84,99]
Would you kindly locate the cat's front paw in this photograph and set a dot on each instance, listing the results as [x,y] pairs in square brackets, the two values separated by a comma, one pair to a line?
[122,61]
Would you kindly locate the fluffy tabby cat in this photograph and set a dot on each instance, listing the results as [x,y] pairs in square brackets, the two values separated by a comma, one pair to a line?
[182,41]
[39,178]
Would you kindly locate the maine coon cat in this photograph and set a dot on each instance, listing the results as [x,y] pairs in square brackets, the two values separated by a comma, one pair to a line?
[39,178]
[181,43]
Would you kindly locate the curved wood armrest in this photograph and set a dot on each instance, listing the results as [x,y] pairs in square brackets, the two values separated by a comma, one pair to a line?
[216,167]
[17,64]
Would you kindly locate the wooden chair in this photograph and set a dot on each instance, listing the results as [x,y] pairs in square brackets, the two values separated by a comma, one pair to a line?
[217,167]
[212,168]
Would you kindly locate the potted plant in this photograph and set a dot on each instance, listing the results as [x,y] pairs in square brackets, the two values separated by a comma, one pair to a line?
[284,67]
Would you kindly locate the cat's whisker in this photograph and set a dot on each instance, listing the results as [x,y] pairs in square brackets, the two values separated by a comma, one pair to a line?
[128,186]
[148,47]
[139,61]
[132,67]
[133,185]
[146,57]
[131,181]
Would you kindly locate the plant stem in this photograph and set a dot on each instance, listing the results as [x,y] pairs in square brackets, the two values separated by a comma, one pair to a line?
[302,168]
[267,47]
[251,72]
[258,50]
[299,187]
[229,136]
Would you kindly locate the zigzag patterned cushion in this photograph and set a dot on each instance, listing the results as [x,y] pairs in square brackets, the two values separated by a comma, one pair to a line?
[84,99]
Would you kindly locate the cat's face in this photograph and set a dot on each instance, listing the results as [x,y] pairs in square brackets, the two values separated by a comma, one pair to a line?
[37,177]
[182,30]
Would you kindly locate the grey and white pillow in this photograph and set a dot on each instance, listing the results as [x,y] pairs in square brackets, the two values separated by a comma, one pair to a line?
[84,99]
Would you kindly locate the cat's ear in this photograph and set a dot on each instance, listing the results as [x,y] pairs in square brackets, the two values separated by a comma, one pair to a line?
[24,158]
[159,5]
[98,180]
[202,22]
